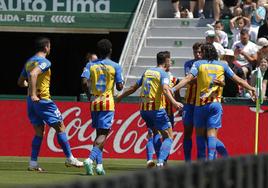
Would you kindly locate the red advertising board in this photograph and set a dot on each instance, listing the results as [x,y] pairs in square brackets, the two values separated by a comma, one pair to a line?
[127,138]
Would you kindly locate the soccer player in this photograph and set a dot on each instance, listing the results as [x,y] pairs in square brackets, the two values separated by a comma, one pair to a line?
[103,74]
[208,109]
[85,74]
[154,84]
[41,109]
[189,104]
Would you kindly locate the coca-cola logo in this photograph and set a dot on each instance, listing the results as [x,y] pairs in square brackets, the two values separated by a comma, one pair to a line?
[128,135]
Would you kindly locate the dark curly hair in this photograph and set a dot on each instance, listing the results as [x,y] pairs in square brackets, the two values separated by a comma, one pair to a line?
[209,52]
[104,48]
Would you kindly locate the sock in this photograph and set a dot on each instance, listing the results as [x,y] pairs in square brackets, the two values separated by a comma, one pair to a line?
[94,153]
[221,148]
[99,158]
[63,141]
[187,147]
[150,149]
[201,147]
[99,166]
[36,145]
[164,150]
[211,147]
[157,144]
[200,11]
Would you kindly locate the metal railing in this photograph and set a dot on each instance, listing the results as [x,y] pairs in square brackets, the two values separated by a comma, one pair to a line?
[136,35]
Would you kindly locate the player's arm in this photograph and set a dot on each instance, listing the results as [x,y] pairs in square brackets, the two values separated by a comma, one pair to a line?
[127,92]
[22,81]
[32,83]
[118,78]
[183,82]
[86,87]
[168,95]
[244,84]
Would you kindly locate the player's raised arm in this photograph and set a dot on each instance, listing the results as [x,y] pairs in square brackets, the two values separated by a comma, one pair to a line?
[183,82]
[168,95]
[127,92]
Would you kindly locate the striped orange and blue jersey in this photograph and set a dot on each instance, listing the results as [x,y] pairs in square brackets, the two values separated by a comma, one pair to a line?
[43,79]
[191,87]
[173,81]
[206,71]
[151,84]
[103,74]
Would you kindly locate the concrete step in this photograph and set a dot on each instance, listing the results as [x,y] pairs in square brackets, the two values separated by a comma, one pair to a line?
[150,61]
[177,32]
[182,22]
[173,41]
[139,70]
[185,52]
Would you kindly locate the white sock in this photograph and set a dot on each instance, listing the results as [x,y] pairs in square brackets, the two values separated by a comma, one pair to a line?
[200,11]
[71,157]
[88,160]
[33,163]
[99,166]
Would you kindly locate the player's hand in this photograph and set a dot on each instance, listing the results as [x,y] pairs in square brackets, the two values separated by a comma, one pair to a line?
[253,95]
[178,106]
[219,82]
[35,98]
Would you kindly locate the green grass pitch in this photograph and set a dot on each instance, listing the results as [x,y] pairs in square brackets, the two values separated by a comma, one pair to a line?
[13,170]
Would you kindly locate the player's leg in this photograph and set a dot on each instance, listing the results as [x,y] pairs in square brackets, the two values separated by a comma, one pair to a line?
[102,121]
[38,126]
[187,117]
[50,113]
[213,124]
[163,125]
[150,149]
[200,114]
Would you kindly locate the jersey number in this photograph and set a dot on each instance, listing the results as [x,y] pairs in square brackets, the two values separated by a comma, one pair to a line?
[147,86]
[101,83]
[212,76]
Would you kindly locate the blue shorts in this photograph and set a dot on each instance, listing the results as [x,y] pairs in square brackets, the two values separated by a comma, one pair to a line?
[188,114]
[208,116]
[157,119]
[44,111]
[102,119]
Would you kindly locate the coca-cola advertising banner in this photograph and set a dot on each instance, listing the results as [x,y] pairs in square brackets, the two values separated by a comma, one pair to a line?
[127,138]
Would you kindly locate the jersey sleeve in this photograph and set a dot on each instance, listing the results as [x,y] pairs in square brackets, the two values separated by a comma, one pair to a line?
[164,78]
[139,81]
[194,69]
[86,72]
[44,65]
[24,73]
[118,74]
[228,71]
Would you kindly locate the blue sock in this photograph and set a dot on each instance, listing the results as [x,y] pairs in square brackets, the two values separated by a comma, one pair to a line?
[187,146]
[150,149]
[63,141]
[211,147]
[201,147]
[99,157]
[221,148]
[36,145]
[157,144]
[164,150]
[95,153]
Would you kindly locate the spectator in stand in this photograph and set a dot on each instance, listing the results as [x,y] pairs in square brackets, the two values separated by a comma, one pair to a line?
[176,4]
[201,4]
[263,49]
[211,39]
[263,29]
[219,5]
[231,88]
[257,18]
[248,7]
[246,53]
[263,65]
[264,85]
[237,24]
[219,29]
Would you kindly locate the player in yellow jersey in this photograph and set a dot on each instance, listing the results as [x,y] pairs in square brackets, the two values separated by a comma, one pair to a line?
[154,84]
[103,75]
[208,109]
[41,109]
